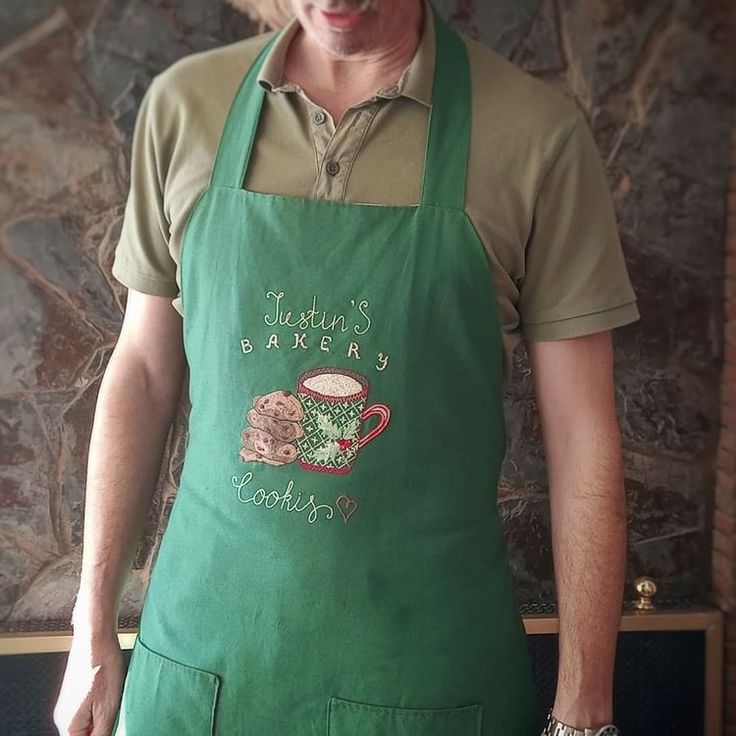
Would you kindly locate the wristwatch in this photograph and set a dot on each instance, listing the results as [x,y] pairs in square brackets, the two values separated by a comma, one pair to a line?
[554,727]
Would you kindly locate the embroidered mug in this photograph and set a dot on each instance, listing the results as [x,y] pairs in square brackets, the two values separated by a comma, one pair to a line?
[334,403]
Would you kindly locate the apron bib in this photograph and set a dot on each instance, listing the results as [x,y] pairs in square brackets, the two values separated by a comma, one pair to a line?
[334,562]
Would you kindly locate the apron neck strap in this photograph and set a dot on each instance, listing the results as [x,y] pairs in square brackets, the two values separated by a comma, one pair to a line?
[236,142]
[448,139]
[446,156]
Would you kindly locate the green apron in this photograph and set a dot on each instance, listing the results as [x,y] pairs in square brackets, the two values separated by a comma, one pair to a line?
[334,563]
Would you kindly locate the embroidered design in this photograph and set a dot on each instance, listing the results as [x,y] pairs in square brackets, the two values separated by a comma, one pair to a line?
[334,403]
[287,502]
[274,425]
[319,423]
[315,318]
[320,426]
[346,321]
[346,506]
[271,499]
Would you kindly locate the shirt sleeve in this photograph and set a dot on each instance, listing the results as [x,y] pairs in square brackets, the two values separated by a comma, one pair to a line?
[575,277]
[142,258]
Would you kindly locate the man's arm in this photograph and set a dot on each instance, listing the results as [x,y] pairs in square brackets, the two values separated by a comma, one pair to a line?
[573,383]
[135,406]
[138,396]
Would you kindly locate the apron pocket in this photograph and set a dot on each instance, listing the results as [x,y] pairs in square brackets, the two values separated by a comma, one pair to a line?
[164,697]
[348,718]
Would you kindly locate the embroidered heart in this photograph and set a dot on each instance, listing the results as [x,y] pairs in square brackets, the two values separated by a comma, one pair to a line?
[346,506]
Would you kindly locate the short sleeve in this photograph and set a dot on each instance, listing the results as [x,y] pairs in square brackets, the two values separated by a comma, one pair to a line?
[142,258]
[575,278]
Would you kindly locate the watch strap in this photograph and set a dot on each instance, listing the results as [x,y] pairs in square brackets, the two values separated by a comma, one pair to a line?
[554,727]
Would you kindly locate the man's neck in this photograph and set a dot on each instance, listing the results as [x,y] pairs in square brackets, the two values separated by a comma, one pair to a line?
[338,83]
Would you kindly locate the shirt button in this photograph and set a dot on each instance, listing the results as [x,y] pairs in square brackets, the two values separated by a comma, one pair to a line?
[332,167]
[319,117]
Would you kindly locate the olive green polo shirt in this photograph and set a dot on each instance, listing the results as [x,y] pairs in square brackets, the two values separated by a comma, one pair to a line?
[537,191]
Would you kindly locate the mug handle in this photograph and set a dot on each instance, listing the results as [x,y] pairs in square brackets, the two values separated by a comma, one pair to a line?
[383,413]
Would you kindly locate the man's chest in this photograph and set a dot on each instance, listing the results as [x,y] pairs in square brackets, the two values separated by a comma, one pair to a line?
[374,155]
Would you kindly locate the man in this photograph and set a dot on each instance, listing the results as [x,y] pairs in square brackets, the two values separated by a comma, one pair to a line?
[357,218]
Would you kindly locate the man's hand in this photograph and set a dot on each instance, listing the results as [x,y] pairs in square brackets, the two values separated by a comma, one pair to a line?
[574,386]
[91,688]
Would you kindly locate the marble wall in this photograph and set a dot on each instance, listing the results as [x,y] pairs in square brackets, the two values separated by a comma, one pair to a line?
[653,80]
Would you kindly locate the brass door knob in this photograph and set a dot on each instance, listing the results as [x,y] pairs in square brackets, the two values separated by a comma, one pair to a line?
[647,589]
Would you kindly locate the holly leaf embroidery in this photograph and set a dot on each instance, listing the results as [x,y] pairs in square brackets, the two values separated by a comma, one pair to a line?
[326,425]
[351,428]
[327,452]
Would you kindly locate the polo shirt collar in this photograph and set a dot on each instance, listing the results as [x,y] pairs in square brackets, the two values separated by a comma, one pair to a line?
[415,82]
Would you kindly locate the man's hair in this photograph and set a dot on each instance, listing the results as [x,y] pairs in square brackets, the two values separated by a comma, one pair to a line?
[271,13]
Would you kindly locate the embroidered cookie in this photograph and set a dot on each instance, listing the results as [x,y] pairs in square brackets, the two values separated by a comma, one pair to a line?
[281,429]
[262,443]
[281,404]
[274,425]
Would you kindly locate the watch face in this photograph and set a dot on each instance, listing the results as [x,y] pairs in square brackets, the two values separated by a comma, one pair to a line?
[608,731]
